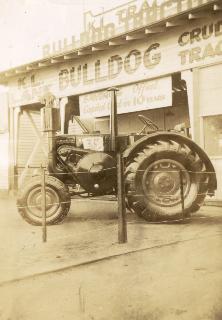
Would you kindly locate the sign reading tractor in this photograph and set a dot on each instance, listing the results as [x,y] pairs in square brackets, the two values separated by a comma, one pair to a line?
[124,18]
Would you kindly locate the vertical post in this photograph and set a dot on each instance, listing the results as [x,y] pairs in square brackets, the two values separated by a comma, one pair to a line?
[115,147]
[181,192]
[43,196]
[113,119]
[50,124]
[122,229]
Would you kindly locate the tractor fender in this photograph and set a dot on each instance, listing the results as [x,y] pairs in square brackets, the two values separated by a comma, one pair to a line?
[130,152]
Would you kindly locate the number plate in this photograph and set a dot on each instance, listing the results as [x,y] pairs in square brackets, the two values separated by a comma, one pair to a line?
[93,143]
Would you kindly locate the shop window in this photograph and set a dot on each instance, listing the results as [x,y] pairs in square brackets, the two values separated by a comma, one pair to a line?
[213,135]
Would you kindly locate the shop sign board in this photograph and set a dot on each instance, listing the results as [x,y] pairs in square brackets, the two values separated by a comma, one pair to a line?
[184,48]
[135,97]
[133,15]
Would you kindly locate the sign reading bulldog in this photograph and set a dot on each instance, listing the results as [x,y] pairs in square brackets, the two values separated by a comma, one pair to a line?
[111,68]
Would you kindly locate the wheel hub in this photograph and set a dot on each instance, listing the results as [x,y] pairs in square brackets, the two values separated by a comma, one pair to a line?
[48,201]
[34,202]
[161,182]
[164,182]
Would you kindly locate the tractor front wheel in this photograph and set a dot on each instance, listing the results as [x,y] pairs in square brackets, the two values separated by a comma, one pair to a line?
[58,201]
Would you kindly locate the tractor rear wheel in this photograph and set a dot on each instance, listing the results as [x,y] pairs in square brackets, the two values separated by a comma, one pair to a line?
[153,181]
[58,201]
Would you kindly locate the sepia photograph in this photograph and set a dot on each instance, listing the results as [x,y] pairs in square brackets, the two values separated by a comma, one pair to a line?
[111,160]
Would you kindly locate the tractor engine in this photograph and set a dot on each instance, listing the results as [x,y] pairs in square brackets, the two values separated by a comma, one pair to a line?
[94,171]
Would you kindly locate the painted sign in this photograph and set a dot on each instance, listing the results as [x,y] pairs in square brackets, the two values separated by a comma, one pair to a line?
[119,67]
[101,71]
[136,97]
[182,49]
[29,89]
[124,18]
[194,44]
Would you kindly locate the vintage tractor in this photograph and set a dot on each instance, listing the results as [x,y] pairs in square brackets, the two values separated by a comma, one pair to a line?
[155,160]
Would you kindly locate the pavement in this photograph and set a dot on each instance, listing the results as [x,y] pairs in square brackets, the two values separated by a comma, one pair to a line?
[164,271]
[89,233]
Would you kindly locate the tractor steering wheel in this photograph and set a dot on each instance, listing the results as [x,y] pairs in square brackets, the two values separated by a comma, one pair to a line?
[148,124]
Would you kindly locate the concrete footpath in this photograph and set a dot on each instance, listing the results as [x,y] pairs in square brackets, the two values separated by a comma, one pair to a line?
[165,271]
[89,233]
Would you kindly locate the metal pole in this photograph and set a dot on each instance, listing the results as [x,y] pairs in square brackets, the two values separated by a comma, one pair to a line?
[122,227]
[113,119]
[43,193]
[116,148]
[181,193]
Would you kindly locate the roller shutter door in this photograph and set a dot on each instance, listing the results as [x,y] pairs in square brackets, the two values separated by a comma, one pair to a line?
[31,144]
[4,143]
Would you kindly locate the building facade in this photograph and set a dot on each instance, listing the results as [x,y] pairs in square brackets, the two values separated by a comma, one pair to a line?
[166,61]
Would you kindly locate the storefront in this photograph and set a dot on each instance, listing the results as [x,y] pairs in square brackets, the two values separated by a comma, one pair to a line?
[208,98]
[4,141]
[169,71]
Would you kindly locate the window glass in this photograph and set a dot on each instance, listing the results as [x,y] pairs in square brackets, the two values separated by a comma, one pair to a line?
[213,135]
